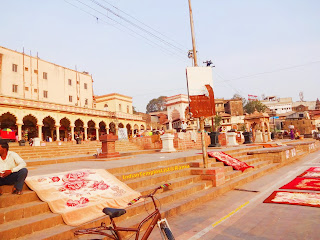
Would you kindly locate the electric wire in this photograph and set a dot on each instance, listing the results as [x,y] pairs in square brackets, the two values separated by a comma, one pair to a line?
[272,71]
[150,42]
[139,27]
[145,24]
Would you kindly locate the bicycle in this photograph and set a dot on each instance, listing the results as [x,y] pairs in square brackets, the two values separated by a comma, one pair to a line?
[162,223]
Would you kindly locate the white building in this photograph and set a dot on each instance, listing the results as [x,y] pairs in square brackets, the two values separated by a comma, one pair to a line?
[279,105]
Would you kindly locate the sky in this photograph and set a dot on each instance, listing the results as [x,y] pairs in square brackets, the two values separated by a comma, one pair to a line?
[139,48]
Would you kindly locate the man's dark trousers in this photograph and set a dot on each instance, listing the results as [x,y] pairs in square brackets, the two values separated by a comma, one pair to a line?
[15,178]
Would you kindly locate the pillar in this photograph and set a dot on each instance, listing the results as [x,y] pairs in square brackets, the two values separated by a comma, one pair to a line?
[107,130]
[97,133]
[57,133]
[269,135]
[72,133]
[40,131]
[19,131]
[264,133]
[85,133]
[116,129]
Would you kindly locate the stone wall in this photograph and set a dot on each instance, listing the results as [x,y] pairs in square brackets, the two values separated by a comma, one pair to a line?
[184,141]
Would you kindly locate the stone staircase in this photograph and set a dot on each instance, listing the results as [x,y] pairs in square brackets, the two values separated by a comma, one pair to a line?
[67,152]
[27,217]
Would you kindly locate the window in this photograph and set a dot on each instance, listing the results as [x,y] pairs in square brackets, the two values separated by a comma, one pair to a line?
[86,101]
[70,98]
[45,94]
[69,82]
[35,90]
[85,86]
[26,88]
[106,107]
[119,107]
[14,67]
[14,88]
[301,115]
[26,69]
[45,75]
[128,109]
[35,71]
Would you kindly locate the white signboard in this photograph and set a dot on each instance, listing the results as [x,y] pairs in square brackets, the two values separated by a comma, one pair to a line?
[197,78]
[122,133]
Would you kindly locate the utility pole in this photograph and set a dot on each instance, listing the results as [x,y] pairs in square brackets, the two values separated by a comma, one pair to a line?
[195,61]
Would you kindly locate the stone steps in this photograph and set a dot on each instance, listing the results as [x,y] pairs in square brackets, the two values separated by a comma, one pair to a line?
[24,226]
[187,192]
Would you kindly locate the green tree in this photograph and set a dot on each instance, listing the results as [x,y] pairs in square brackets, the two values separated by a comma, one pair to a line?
[252,106]
[157,105]
[216,122]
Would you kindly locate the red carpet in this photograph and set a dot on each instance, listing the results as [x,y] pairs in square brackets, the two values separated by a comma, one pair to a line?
[230,161]
[303,184]
[294,198]
[308,174]
[313,169]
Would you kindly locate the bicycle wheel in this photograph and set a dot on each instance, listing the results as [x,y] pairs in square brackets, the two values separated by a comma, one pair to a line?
[168,233]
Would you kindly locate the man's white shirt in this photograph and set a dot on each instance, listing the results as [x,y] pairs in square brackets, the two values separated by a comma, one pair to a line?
[12,162]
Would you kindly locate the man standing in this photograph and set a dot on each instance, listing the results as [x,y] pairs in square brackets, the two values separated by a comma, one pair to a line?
[12,169]
[184,126]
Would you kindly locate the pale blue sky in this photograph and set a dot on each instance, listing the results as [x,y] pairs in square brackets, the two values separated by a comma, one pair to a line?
[279,38]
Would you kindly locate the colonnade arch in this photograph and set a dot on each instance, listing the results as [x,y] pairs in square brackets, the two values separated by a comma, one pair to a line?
[58,126]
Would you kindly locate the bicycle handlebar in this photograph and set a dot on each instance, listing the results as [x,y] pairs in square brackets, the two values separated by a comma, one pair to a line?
[150,194]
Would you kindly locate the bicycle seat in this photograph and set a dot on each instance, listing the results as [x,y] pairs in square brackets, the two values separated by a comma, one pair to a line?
[114,212]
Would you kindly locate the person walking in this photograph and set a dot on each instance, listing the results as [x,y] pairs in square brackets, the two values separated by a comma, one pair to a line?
[13,169]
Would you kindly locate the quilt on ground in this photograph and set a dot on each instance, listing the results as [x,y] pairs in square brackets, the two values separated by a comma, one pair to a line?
[230,161]
[295,198]
[80,195]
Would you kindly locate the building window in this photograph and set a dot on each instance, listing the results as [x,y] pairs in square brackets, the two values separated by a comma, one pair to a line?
[26,88]
[85,86]
[14,67]
[14,88]
[128,109]
[86,101]
[106,107]
[45,94]
[35,71]
[35,90]
[69,82]
[45,75]
[119,107]
[26,69]
[70,98]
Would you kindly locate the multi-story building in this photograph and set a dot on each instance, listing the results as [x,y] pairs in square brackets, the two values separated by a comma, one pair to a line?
[26,77]
[278,105]
[42,99]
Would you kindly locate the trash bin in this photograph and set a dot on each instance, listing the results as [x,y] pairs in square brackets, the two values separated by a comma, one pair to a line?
[22,143]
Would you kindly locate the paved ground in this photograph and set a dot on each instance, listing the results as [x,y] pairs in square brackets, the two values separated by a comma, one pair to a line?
[243,215]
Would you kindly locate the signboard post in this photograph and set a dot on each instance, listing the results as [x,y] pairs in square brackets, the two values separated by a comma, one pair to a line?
[200,92]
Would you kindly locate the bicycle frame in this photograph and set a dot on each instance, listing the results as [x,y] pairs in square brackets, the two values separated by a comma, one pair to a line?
[116,230]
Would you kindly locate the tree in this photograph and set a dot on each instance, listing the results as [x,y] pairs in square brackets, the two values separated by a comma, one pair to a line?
[216,122]
[238,96]
[252,106]
[157,105]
